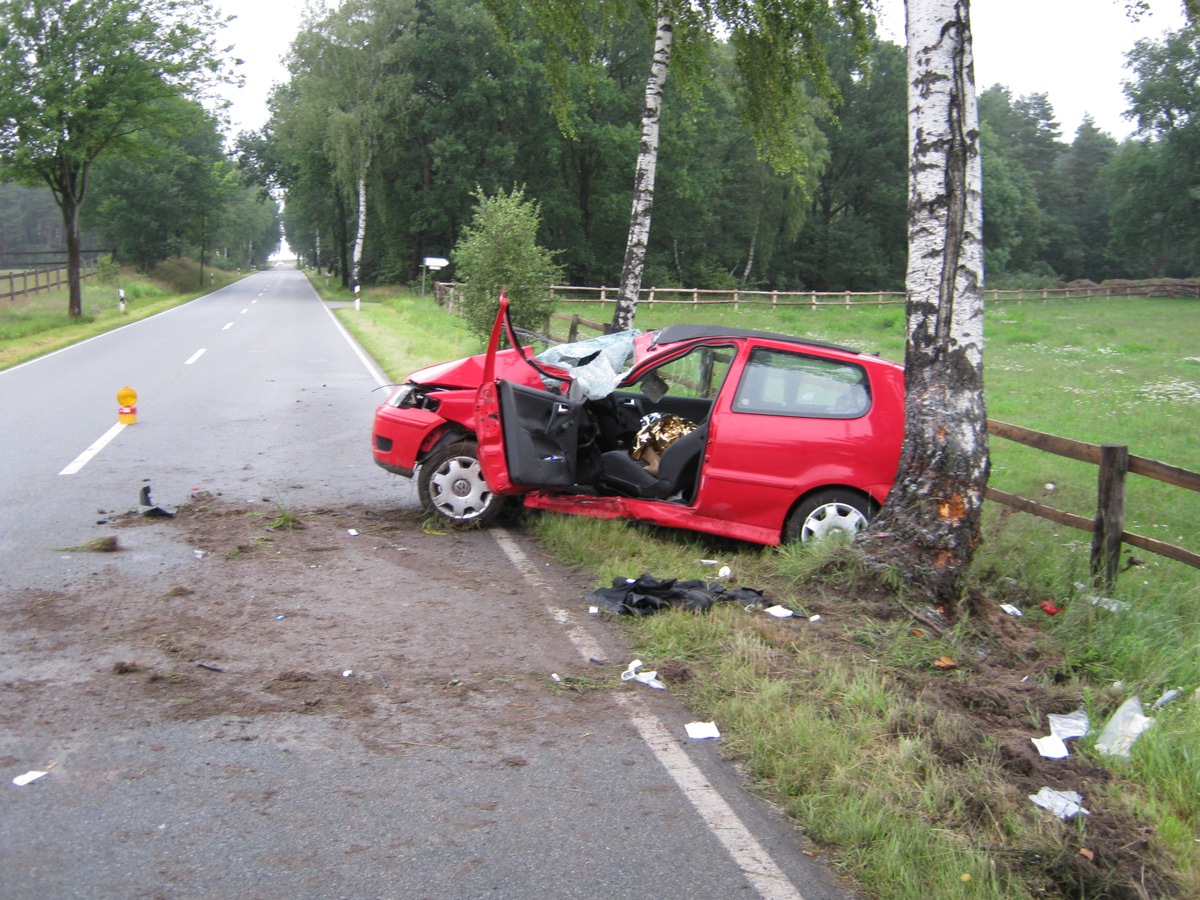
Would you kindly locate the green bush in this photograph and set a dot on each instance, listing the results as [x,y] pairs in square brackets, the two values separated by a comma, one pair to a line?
[498,252]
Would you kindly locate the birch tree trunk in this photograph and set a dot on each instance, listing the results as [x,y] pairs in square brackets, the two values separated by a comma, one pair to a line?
[929,527]
[361,234]
[643,180]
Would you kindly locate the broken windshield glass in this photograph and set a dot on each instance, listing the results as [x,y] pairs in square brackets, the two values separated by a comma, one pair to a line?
[596,365]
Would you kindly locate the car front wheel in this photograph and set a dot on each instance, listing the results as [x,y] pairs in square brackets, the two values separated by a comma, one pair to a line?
[450,483]
[826,513]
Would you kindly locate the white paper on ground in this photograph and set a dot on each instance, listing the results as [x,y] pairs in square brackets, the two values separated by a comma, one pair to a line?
[701,730]
[22,780]
[1064,804]
[1071,725]
[779,612]
[1051,747]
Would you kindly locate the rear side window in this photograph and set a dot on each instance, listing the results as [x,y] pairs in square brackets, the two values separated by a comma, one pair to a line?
[782,383]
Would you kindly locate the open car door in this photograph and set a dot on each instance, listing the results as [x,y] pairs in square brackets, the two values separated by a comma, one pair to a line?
[527,438]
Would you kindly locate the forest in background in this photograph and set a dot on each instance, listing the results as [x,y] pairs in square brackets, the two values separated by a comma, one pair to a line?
[452,107]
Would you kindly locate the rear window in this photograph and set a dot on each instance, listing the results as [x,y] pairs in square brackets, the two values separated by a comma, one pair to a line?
[782,383]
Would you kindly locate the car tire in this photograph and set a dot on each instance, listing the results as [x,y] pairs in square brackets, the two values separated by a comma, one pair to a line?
[450,484]
[826,512]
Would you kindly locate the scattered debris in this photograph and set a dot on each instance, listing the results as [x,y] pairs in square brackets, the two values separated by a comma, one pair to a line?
[1087,854]
[779,612]
[1011,610]
[1050,609]
[647,594]
[107,544]
[346,673]
[22,780]
[353,532]
[1166,698]
[647,678]
[126,668]
[209,668]
[1051,747]
[1113,606]
[945,663]
[1071,725]
[725,572]
[1064,804]
[1123,729]
[148,508]
[699,731]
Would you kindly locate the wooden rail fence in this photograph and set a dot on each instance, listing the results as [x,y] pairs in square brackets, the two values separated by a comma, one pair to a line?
[32,281]
[1108,526]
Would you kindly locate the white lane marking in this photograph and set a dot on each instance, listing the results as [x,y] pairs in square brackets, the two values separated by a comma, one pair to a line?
[85,457]
[195,356]
[227,327]
[246,310]
[372,369]
[755,862]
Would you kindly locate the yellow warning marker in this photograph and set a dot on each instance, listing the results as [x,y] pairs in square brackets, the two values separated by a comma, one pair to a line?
[127,409]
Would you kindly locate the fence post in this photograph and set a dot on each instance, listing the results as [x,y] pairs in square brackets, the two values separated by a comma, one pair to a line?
[573,334]
[1110,514]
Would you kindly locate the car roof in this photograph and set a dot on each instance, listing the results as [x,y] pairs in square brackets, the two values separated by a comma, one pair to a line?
[674,334]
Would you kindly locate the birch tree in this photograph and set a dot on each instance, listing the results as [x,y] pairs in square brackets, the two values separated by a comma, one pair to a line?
[930,525]
[778,51]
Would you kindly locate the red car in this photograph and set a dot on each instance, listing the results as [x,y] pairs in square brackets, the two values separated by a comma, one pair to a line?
[782,438]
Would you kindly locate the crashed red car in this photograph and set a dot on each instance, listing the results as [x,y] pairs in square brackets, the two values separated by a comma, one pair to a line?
[785,438]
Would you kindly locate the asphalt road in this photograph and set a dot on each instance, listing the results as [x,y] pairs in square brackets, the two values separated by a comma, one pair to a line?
[255,392]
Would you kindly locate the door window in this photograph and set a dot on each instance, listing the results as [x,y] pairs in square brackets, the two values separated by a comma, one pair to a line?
[783,383]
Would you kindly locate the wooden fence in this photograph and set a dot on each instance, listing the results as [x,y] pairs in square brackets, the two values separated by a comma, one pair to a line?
[447,293]
[1169,287]
[22,284]
[1108,526]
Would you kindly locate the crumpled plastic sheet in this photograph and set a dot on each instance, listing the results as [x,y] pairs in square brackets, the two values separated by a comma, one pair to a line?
[1064,804]
[647,595]
[596,364]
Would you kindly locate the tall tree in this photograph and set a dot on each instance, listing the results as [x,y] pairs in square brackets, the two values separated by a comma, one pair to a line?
[929,527]
[778,50]
[78,78]
[353,60]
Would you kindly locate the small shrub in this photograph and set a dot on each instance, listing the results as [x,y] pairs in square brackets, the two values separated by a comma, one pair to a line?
[498,252]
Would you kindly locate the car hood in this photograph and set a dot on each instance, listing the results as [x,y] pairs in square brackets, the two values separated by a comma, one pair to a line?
[468,372]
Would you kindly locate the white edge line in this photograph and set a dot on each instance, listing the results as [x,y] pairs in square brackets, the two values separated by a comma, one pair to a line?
[85,457]
[372,369]
[749,855]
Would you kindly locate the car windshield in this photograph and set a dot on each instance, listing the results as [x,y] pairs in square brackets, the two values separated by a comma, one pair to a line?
[596,365]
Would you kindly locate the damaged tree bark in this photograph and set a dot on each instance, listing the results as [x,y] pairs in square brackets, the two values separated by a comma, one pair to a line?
[929,527]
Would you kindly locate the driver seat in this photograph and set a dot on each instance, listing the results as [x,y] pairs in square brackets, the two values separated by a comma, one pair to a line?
[622,474]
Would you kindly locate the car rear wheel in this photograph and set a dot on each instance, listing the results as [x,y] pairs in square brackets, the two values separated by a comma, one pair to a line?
[826,513]
[450,483]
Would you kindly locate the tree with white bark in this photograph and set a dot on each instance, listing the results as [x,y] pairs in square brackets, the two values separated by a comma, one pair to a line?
[930,526]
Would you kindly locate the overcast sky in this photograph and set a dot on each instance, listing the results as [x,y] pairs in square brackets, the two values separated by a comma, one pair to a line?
[1072,50]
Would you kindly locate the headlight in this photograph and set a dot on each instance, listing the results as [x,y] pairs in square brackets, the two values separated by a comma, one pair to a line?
[404,397]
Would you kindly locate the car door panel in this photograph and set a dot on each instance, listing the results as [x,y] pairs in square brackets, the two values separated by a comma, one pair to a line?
[541,435]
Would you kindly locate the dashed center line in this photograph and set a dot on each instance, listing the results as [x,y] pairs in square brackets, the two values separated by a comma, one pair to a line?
[195,356]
